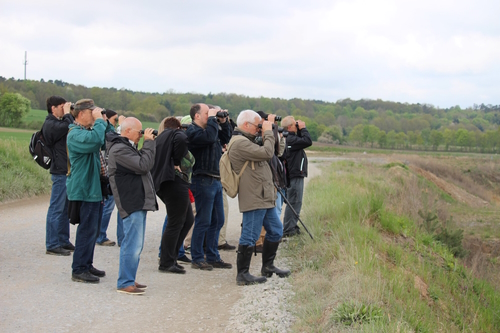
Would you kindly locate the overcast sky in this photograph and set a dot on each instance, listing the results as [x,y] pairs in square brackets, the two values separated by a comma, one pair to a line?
[439,52]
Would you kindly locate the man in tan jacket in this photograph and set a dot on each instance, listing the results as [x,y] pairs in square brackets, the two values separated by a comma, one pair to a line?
[256,195]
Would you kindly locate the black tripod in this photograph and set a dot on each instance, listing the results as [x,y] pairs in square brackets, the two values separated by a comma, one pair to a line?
[293,210]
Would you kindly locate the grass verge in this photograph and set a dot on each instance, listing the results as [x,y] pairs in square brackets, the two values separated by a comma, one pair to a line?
[20,177]
[373,268]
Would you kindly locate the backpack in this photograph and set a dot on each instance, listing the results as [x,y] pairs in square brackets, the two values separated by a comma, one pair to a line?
[40,151]
[229,179]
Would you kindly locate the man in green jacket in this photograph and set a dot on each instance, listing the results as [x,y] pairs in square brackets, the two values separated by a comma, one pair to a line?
[85,139]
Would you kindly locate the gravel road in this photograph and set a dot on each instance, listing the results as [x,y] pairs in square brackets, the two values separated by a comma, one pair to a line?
[38,294]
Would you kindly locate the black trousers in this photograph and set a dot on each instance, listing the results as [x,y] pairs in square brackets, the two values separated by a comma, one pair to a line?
[175,196]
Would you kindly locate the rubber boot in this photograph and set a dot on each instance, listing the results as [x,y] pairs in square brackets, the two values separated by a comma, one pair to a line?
[268,255]
[243,278]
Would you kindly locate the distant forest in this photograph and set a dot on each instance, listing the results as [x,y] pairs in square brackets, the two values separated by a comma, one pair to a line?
[370,123]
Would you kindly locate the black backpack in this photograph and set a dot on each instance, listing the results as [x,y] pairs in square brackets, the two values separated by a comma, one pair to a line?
[41,153]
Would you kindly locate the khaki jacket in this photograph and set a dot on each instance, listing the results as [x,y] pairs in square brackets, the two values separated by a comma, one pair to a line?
[256,189]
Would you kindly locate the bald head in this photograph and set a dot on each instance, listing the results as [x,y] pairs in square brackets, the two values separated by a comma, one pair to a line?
[131,129]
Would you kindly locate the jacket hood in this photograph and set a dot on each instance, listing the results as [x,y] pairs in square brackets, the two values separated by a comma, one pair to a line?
[113,138]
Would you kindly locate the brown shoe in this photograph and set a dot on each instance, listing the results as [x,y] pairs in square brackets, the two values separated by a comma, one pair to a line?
[131,290]
[107,243]
[141,286]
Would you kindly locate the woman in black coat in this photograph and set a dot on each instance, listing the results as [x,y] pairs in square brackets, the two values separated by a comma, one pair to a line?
[172,178]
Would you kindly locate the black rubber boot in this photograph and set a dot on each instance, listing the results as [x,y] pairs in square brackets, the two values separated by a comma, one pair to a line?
[244,278]
[268,255]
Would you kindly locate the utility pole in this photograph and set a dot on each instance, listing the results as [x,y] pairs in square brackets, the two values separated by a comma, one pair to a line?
[25,63]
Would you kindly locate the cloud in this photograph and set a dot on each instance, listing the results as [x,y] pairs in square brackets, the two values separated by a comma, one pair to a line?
[444,53]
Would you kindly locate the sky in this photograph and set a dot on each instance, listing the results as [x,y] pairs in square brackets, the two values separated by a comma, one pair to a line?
[438,52]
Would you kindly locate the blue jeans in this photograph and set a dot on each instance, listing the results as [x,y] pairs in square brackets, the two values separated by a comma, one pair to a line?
[119,229]
[86,234]
[109,205]
[279,201]
[252,224]
[182,252]
[57,223]
[209,217]
[294,194]
[134,227]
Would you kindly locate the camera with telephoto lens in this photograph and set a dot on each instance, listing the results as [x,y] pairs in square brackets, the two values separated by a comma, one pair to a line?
[222,114]
[155,132]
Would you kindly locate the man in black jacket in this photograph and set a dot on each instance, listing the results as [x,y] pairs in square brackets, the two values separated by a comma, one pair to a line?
[296,162]
[206,136]
[55,129]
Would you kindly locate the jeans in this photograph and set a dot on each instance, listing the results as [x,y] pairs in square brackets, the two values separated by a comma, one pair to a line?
[209,218]
[119,229]
[252,224]
[294,195]
[57,223]
[279,201]
[109,205]
[86,234]
[182,252]
[175,196]
[134,227]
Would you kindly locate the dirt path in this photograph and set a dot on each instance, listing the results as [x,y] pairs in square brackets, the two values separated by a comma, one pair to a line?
[38,295]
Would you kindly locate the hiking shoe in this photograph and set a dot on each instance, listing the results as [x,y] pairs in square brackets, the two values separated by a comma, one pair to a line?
[107,242]
[220,264]
[226,247]
[94,271]
[131,290]
[86,277]
[171,269]
[69,247]
[58,251]
[203,265]
[187,249]
[184,258]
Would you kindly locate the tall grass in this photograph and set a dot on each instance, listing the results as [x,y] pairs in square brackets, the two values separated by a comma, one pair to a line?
[21,176]
[369,253]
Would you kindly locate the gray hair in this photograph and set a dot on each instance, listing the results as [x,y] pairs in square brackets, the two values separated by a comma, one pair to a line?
[246,116]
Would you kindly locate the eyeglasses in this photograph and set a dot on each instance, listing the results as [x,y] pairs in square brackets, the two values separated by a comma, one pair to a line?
[254,125]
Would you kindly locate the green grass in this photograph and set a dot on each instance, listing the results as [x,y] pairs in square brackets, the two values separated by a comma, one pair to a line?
[20,177]
[367,258]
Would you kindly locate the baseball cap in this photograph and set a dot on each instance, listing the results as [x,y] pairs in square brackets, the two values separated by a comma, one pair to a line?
[84,104]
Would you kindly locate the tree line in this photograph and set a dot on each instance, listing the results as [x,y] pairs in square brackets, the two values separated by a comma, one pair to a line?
[340,121]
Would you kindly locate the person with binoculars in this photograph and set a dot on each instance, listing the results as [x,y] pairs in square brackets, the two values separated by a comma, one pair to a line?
[207,134]
[297,140]
[133,189]
[85,140]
